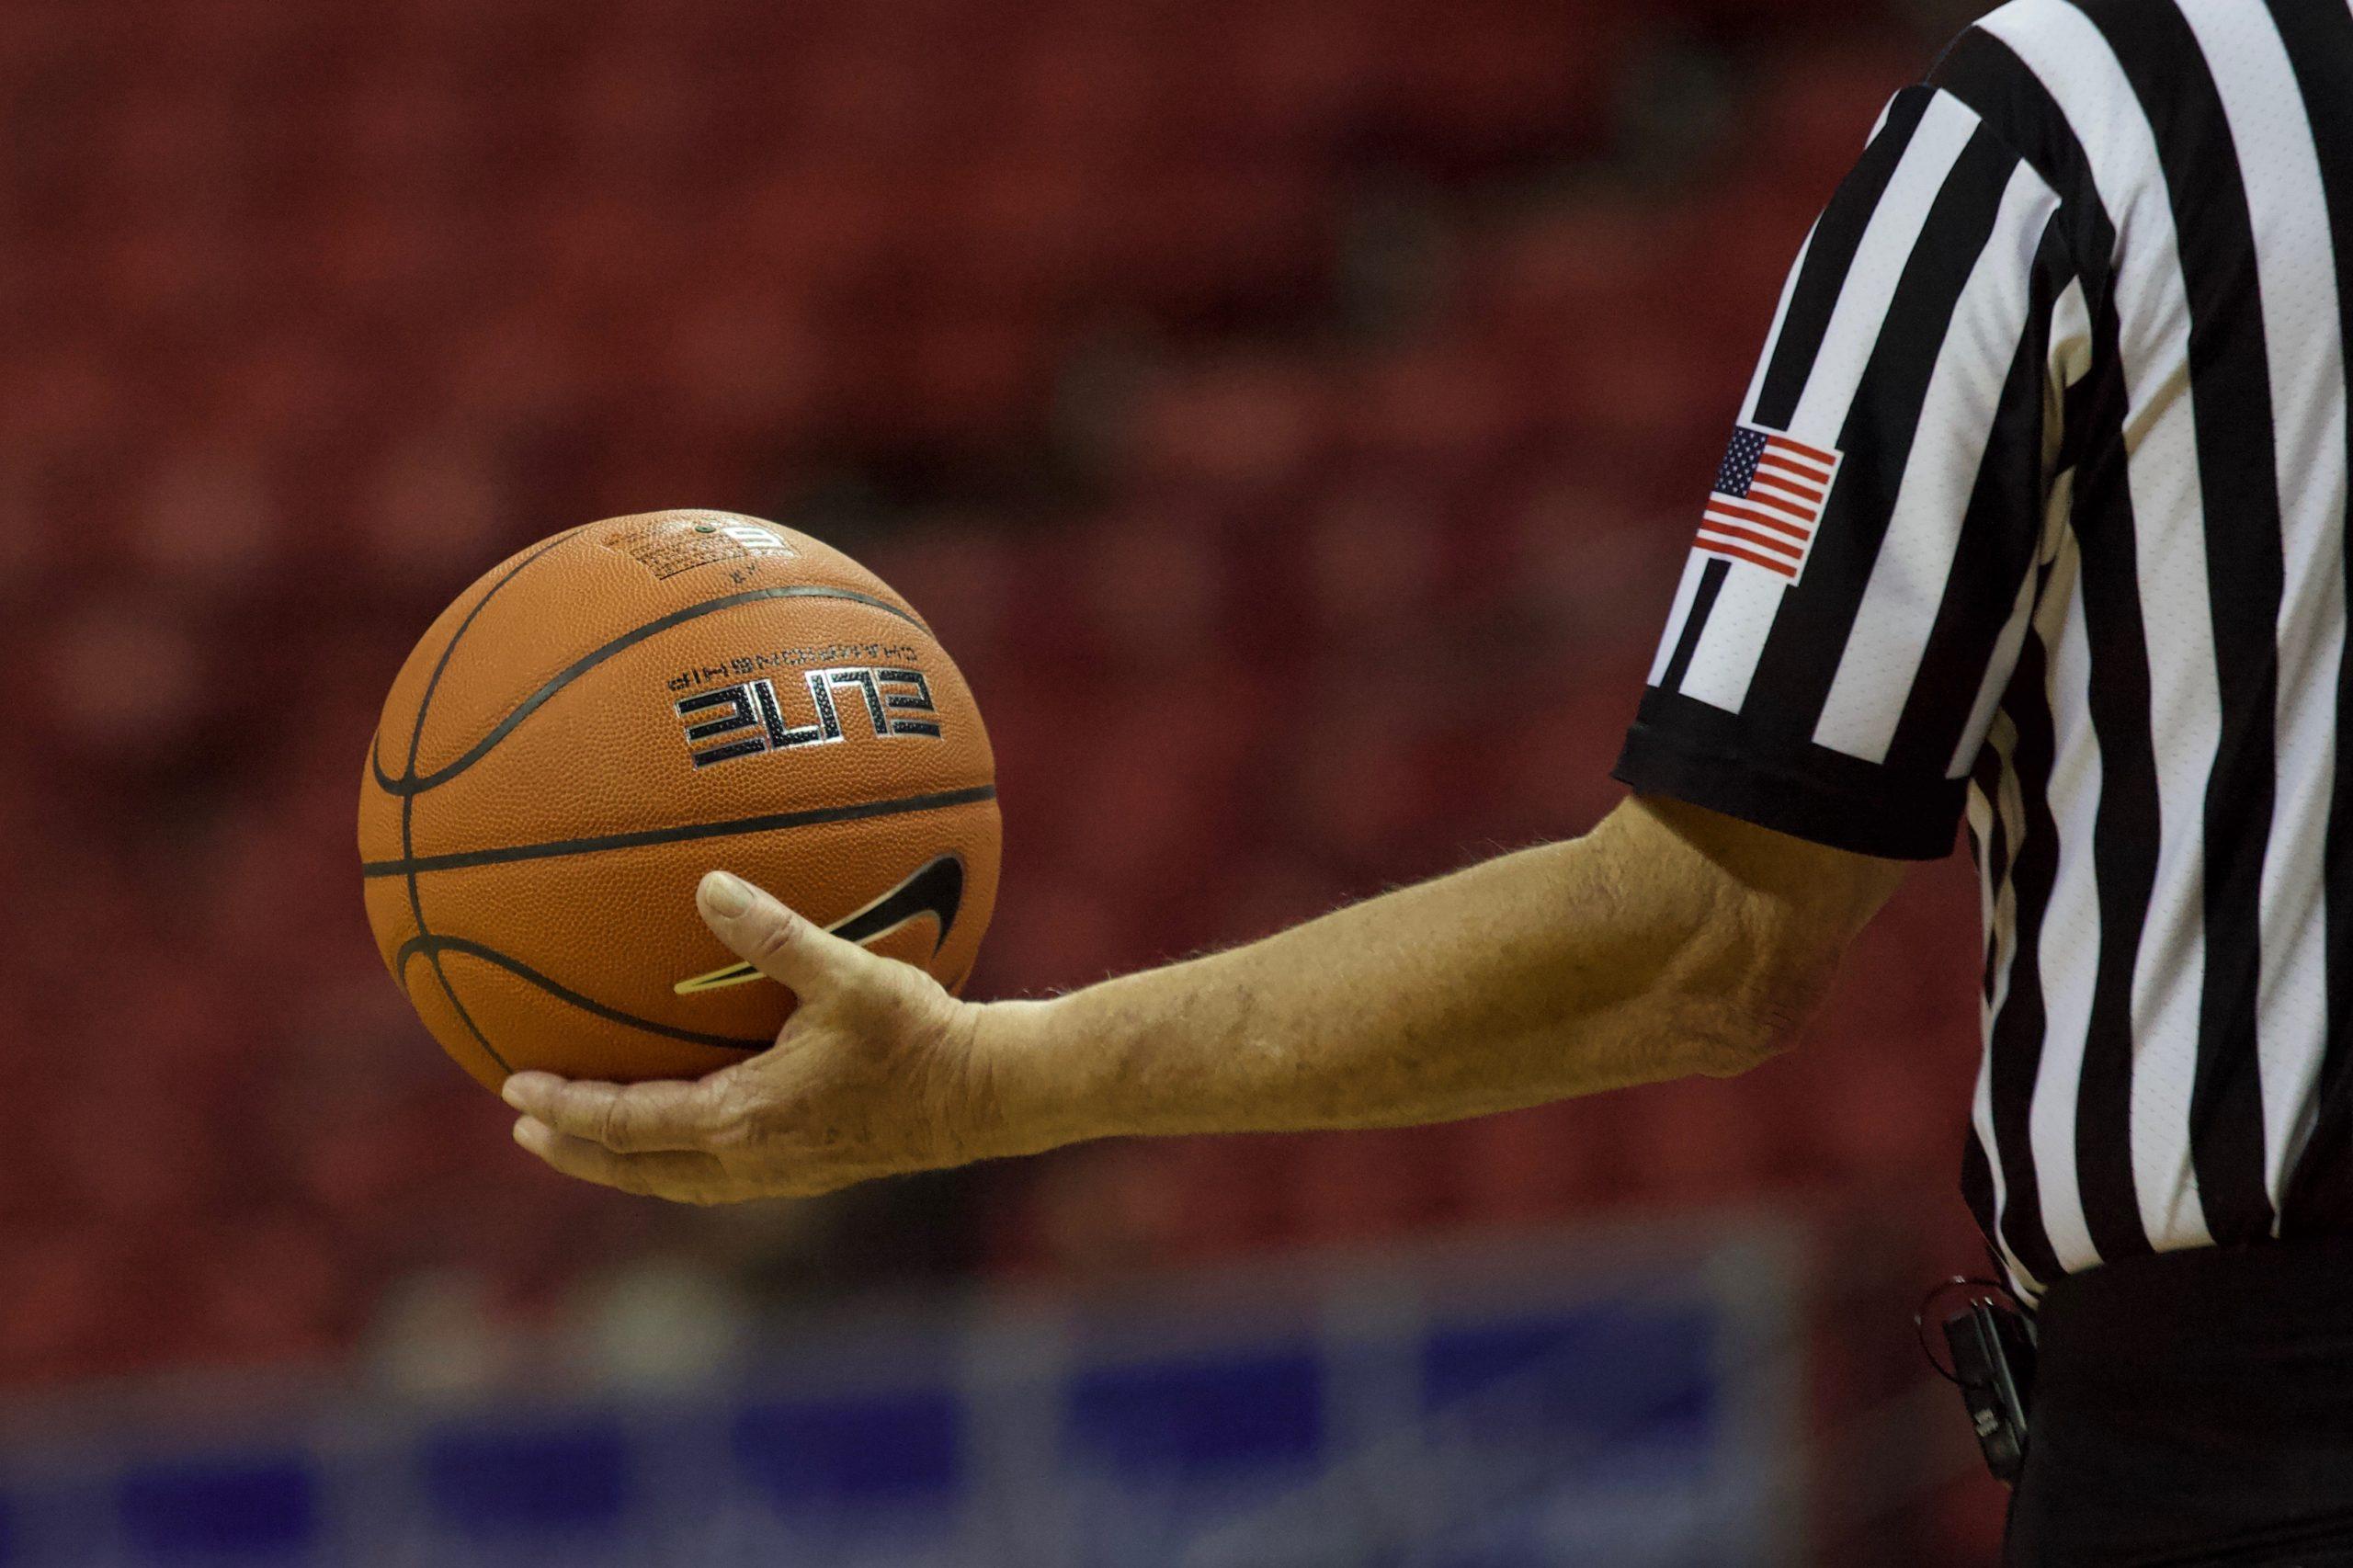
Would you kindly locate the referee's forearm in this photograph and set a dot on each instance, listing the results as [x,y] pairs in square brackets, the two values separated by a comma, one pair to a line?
[1622,958]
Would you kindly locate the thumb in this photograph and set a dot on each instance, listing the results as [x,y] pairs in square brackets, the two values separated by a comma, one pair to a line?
[796,953]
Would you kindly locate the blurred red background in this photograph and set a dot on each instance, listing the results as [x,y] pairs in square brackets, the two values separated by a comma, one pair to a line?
[1291,414]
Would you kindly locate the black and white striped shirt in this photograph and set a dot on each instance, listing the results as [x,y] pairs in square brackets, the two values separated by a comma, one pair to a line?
[2075,334]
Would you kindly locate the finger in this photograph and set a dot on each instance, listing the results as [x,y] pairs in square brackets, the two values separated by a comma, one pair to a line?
[802,957]
[678,1177]
[627,1119]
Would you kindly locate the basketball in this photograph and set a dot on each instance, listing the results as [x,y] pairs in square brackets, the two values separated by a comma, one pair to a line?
[613,712]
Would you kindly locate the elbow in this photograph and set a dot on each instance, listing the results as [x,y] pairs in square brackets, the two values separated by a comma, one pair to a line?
[1761,1014]
[1750,925]
[1737,1042]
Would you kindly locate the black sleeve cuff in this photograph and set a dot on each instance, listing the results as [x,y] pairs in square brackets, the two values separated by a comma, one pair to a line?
[1894,819]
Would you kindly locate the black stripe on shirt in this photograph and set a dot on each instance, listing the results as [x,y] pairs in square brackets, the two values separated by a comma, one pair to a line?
[1830,257]
[2245,570]
[1803,652]
[1695,621]
[2124,831]
[2018,1029]
[2318,1197]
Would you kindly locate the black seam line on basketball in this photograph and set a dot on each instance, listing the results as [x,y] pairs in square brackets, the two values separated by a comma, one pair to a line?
[408,802]
[415,866]
[434,947]
[433,683]
[413,784]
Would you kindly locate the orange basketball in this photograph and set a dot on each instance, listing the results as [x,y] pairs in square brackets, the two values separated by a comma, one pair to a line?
[617,710]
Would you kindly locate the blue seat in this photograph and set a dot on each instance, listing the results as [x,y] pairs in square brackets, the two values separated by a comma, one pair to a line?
[254,1508]
[1199,1418]
[1605,1376]
[508,1481]
[813,1454]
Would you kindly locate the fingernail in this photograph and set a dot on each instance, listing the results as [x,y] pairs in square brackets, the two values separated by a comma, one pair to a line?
[514,1091]
[530,1133]
[724,894]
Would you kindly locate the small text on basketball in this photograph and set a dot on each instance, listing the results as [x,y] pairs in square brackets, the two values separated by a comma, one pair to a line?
[743,666]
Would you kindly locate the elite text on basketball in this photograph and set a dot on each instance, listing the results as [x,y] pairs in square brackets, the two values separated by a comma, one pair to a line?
[754,718]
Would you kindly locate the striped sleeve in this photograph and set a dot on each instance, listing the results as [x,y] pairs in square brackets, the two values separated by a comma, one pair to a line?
[1855,601]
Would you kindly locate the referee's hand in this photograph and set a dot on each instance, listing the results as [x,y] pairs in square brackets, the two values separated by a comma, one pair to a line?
[874,1074]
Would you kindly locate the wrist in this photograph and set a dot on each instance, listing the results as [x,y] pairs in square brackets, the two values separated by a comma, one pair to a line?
[1029,1097]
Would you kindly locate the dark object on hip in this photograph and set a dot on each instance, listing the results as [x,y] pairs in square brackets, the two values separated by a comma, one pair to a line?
[1993,1365]
[2193,1407]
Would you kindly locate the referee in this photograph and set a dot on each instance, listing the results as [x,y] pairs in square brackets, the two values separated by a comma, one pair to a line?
[2034,514]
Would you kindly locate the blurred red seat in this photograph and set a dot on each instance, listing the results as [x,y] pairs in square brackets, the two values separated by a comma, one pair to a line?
[1109,1210]
[434,509]
[209,520]
[132,1147]
[124,676]
[1060,932]
[1023,226]
[1700,1142]
[1359,1186]
[1240,423]
[1154,580]
[1484,83]
[1289,76]
[1151,795]
[1195,235]
[815,225]
[1552,1162]
[633,113]
[1077,91]
[273,1287]
[1436,404]
[87,1303]
[1378,565]
[1817,107]
[749,362]
[970,380]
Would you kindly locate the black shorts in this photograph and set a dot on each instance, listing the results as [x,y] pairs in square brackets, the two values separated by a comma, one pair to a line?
[2193,1407]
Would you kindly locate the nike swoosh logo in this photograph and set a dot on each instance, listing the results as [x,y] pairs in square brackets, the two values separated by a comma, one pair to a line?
[937,890]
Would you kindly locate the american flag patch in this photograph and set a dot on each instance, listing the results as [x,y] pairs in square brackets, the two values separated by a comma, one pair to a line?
[1768,501]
